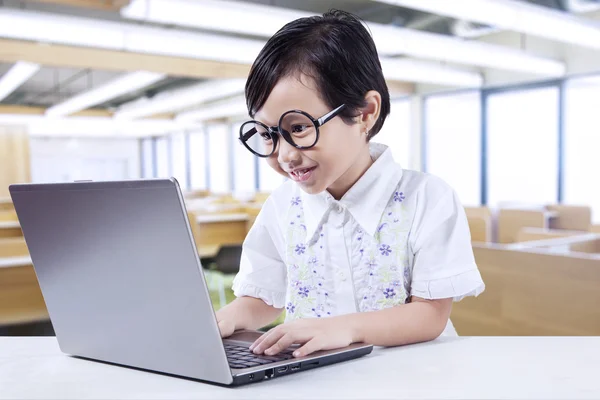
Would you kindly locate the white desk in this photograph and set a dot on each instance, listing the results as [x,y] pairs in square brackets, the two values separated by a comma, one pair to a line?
[9,224]
[211,218]
[21,261]
[526,367]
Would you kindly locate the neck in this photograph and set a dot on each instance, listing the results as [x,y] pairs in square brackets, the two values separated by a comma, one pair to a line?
[352,175]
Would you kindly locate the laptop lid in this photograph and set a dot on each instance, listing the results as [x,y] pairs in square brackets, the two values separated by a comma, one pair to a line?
[120,275]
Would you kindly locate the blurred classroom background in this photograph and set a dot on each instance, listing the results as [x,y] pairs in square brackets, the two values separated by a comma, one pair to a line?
[498,97]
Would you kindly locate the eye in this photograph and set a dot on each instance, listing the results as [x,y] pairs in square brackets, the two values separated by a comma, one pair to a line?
[265,136]
[299,128]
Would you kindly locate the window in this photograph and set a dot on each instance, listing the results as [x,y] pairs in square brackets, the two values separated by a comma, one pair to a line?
[219,158]
[163,157]
[147,158]
[396,131]
[582,144]
[244,165]
[522,146]
[179,159]
[453,142]
[198,159]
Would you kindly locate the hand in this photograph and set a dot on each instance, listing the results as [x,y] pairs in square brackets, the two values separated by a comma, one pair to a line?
[226,326]
[314,334]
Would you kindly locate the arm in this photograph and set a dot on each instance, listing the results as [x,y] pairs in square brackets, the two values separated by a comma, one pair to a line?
[245,313]
[419,321]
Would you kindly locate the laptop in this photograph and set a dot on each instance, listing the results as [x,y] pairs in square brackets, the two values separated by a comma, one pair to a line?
[123,283]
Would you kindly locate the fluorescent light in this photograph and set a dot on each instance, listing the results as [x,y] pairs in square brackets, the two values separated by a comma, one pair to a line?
[87,32]
[260,20]
[423,72]
[224,109]
[16,76]
[208,14]
[121,85]
[515,16]
[182,98]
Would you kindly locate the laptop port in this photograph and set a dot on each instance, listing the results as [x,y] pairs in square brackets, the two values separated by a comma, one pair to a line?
[295,367]
[281,370]
[251,377]
[269,373]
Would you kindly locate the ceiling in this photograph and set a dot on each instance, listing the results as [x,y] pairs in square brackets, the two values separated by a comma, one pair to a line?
[51,85]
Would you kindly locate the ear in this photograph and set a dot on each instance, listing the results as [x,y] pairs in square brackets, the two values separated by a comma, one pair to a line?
[371,111]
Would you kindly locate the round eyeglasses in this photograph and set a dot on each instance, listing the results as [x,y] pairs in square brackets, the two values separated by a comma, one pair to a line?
[298,128]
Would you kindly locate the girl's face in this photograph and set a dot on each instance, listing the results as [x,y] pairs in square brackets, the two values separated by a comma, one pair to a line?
[340,156]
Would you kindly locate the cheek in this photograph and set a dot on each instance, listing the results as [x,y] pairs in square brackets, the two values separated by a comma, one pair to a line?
[272,161]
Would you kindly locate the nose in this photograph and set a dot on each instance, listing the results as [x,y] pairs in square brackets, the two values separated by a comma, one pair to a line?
[288,154]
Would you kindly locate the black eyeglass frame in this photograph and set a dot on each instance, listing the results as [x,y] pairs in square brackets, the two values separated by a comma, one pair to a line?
[275,131]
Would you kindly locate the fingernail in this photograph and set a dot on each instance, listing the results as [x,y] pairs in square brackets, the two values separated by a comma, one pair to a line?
[296,354]
[269,352]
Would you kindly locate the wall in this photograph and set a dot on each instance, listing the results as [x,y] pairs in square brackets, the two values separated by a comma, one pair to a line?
[69,159]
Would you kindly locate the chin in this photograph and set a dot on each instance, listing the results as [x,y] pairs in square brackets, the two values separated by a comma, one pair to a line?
[312,189]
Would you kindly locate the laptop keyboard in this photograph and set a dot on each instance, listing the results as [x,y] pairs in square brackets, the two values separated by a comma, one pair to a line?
[242,357]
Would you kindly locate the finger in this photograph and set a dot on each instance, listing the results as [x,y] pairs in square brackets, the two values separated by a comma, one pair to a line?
[310,347]
[286,341]
[259,340]
[270,339]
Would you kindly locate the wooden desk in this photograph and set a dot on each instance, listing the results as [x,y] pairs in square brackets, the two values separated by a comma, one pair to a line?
[484,368]
[10,229]
[222,229]
[21,300]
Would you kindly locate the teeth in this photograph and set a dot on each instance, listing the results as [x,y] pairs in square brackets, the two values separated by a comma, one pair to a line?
[300,173]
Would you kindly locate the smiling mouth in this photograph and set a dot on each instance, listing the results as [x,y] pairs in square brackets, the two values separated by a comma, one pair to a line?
[301,175]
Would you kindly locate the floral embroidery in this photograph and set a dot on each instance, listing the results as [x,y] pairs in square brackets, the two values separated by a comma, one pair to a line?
[300,248]
[379,261]
[303,291]
[385,250]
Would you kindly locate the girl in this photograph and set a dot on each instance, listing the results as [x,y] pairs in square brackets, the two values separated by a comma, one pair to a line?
[352,247]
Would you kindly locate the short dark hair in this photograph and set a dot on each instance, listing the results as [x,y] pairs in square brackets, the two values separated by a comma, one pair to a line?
[336,51]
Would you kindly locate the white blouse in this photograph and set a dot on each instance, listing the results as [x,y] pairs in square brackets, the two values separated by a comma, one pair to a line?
[396,233]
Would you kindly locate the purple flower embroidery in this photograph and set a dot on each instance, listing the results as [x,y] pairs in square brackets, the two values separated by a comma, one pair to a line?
[291,308]
[389,293]
[300,249]
[399,197]
[296,201]
[303,291]
[385,250]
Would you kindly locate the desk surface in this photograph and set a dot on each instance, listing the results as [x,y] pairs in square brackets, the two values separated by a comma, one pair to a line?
[509,367]
[9,224]
[19,261]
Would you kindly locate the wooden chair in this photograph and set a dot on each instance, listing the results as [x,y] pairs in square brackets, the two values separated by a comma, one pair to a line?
[574,218]
[511,221]
[480,229]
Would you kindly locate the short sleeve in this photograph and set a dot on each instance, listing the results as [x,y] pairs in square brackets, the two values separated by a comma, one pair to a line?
[443,261]
[262,270]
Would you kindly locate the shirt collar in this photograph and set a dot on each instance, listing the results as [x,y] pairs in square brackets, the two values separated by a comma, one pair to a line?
[367,198]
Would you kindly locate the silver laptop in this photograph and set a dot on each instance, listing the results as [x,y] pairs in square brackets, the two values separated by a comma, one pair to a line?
[123,283]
